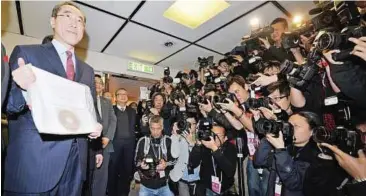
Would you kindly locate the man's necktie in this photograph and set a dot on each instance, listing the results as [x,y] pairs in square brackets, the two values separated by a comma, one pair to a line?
[70,70]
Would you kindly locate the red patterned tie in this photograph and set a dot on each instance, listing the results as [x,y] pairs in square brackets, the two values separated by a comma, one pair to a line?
[70,70]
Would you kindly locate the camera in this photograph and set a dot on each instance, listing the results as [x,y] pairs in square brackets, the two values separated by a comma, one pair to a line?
[253,103]
[152,163]
[205,62]
[264,126]
[204,130]
[167,78]
[299,75]
[177,94]
[335,40]
[149,105]
[252,42]
[348,140]
[182,123]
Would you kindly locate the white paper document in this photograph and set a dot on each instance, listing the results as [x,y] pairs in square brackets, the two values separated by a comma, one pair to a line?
[60,106]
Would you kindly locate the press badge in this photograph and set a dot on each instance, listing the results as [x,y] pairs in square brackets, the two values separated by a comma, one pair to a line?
[333,100]
[215,184]
[162,174]
[278,187]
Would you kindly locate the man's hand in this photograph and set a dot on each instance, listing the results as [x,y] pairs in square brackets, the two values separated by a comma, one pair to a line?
[154,111]
[23,75]
[144,166]
[206,107]
[97,131]
[181,103]
[238,58]
[265,42]
[264,80]
[268,113]
[105,141]
[276,142]
[189,137]
[98,160]
[328,56]
[210,144]
[356,167]
[230,106]
[162,165]
[360,48]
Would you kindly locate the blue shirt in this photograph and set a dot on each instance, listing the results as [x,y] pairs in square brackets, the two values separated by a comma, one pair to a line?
[191,177]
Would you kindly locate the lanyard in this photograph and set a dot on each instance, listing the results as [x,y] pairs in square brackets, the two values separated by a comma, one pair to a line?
[214,168]
[153,148]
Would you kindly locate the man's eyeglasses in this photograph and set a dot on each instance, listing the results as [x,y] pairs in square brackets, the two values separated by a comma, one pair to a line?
[278,98]
[71,17]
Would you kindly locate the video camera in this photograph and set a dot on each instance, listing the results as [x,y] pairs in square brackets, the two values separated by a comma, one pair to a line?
[252,42]
[264,126]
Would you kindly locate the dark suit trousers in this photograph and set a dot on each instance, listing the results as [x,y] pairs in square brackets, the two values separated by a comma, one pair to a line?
[121,167]
[100,179]
[70,183]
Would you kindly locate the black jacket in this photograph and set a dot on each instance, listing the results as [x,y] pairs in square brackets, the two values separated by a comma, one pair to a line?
[225,159]
[300,170]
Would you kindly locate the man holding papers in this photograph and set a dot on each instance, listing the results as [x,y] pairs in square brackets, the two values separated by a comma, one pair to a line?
[47,164]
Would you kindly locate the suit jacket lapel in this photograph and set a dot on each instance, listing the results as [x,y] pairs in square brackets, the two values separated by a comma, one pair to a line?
[78,69]
[55,61]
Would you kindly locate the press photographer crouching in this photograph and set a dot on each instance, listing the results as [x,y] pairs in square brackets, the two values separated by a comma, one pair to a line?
[290,153]
[217,157]
[154,159]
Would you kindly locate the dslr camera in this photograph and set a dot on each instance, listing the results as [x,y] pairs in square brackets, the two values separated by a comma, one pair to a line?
[204,130]
[152,163]
[264,126]
[204,62]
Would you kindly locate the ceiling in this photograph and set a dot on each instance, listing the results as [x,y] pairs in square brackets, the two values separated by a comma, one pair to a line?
[138,30]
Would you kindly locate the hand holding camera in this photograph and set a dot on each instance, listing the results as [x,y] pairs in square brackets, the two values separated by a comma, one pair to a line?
[276,142]
[264,80]
[206,107]
[356,167]
[360,48]
[162,165]
[210,144]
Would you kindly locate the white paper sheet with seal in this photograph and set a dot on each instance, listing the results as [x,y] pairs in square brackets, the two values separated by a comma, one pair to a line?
[60,106]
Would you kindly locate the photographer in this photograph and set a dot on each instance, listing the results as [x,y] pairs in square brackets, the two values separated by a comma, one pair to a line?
[154,159]
[217,157]
[296,168]
[277,52]
[223,67]
[161,108]
[186,176]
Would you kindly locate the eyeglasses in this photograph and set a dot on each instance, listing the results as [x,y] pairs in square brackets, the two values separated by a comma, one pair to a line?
[71,17]
[278,98]
[121,94]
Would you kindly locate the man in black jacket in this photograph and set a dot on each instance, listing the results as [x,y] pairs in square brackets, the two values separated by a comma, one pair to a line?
[218,162]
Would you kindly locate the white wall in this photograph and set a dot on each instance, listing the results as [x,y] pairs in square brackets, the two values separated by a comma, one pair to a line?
[99,61]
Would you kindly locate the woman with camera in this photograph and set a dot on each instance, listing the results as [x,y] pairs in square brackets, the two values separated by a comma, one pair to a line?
[296,169]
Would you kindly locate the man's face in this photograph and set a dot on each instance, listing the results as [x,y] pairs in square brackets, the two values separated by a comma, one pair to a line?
[158,102]
[193,123]
[278,30]
[99,86]
[281,100]
[108,95]
[122,96]
[156,130]
[68,25]
[220,137]
[302,131]
[223,67]
[241,93]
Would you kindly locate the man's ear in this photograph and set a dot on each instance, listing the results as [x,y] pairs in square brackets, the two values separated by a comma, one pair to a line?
[53,22]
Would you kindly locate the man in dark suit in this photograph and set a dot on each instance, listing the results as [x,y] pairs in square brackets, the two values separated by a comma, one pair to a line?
[109,122]
[39,164]
[121,165]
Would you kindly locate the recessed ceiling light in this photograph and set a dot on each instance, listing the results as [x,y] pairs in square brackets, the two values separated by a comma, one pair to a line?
[192,14]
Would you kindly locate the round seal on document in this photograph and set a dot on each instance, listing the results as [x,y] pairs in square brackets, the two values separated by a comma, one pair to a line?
[69,120]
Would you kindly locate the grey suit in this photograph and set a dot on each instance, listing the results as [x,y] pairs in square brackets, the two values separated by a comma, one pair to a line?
[109,121]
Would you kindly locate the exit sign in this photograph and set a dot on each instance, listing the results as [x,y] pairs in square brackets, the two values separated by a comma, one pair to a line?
[139,67]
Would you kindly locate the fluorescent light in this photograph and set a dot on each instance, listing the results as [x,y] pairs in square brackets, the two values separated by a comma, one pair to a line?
[192,14]
[254,22]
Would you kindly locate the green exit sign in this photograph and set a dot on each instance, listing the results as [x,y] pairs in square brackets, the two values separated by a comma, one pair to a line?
[139,67]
